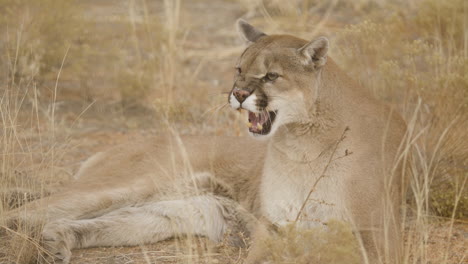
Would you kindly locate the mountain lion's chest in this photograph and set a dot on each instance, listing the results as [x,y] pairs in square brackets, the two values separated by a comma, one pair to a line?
[285,188]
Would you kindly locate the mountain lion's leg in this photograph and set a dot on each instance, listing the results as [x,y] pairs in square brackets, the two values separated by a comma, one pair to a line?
[79,201]
[205,215]
[71,205]
[257,254]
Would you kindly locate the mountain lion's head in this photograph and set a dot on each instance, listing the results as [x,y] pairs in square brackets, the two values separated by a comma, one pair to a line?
[277,79]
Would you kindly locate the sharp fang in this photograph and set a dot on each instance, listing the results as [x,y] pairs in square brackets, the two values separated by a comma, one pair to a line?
[260,127]
[249,125]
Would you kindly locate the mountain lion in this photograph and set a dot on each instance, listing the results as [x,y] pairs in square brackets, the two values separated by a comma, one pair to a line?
[322,149]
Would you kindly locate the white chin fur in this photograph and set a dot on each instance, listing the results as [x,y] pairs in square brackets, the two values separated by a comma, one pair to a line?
[233,102]
[260,136]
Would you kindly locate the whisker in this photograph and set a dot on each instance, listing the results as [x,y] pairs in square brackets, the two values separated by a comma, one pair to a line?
[276,96]
[269,118]
[215,109]
[219,93]
[215,112]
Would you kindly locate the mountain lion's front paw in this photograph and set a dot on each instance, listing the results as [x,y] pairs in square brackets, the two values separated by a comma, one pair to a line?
[58,240]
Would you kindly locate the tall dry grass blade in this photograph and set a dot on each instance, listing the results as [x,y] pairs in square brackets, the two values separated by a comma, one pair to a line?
[322,175]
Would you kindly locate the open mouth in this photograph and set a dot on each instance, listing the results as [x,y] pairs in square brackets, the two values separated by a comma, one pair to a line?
[260,123]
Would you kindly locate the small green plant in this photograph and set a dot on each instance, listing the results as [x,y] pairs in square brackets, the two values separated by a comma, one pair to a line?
[450,197]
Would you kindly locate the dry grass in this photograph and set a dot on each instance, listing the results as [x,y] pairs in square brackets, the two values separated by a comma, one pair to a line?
[423,76]
[77,76]
[335,244]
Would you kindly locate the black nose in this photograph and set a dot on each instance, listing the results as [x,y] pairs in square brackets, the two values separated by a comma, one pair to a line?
[240,94]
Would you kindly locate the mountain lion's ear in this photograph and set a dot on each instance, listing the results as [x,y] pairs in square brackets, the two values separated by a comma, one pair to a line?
[248,32]
[315,52]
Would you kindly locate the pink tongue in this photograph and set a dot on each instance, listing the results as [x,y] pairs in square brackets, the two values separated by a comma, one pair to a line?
[256,120]
[253,119]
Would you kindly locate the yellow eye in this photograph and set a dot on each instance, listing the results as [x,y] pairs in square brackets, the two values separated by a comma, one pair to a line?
[271,76]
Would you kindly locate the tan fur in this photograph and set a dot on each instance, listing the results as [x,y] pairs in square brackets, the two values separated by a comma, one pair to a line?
[146,192]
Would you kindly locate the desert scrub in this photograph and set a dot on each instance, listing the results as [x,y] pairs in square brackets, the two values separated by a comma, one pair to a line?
[334,243]
[443,197]
[37,34]
[420,56]
[151,68]
[444,21]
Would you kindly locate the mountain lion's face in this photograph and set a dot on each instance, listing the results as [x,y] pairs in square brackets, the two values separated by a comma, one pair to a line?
[274,80]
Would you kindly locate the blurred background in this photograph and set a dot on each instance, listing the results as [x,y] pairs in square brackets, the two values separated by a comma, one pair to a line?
[79,76]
